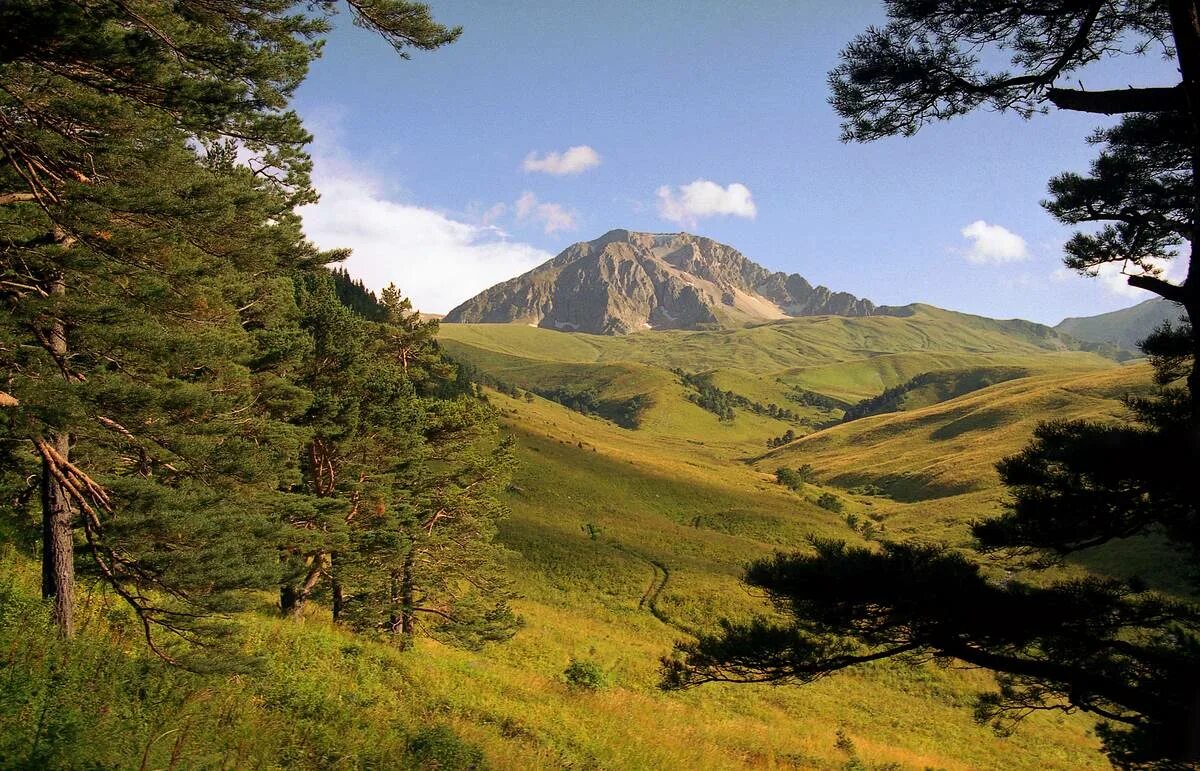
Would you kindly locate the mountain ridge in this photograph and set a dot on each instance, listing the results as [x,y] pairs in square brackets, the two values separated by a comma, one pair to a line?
[1124,328]
[626,281]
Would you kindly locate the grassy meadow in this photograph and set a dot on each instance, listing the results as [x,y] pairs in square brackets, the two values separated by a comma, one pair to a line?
[621,542]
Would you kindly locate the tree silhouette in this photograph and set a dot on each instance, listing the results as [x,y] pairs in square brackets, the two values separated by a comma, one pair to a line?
[927,64]
[1117,650]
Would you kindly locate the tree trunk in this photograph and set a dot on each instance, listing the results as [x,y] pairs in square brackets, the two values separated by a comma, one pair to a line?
[287,599]
[335,589]
[402,599]
[1185,24]
[58,543]
[291,597]
[339,602]
[406,594]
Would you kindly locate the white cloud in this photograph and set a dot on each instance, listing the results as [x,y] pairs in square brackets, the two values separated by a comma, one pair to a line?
[435,259]
[703,198]
[551,216]
[574,160]
[994,244]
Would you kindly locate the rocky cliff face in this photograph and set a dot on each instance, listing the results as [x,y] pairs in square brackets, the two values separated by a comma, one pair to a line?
[625,282]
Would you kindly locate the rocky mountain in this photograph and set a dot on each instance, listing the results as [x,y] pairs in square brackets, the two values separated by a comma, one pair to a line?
[625,282]
[1124,328]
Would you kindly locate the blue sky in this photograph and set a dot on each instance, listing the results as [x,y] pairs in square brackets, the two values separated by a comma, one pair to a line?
[437,171]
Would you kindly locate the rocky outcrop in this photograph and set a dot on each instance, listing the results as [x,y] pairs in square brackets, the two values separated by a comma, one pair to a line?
[625,282]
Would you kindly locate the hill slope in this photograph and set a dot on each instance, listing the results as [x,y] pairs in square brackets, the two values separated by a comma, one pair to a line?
[950,447]
[627,539]
[624,282]
[806,366]
[1124,328]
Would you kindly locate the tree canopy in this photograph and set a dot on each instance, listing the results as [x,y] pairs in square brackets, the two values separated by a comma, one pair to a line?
[161,352]
[938,59]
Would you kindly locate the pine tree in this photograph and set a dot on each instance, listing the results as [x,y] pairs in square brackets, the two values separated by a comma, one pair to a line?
[427,561]
[424,558]
[144,355]
[1112,648]
[145,274]
[365,418]
[934,61]
[402,469]
[355,295]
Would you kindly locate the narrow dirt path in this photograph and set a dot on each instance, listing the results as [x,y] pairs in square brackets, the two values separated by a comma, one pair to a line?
[661,576]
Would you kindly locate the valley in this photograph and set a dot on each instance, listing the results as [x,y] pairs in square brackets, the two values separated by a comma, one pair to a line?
[380,387]
[605,517]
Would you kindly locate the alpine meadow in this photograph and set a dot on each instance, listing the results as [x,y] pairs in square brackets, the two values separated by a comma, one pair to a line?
[543,385]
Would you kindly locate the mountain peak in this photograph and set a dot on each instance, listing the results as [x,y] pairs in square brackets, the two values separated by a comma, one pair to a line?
[627,281]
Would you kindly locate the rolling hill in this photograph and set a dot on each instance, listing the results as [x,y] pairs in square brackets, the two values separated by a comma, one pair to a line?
[627,538]
[1124,328]
[812,367]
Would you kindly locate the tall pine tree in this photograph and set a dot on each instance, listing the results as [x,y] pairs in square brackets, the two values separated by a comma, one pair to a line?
[148,331]
[402,471]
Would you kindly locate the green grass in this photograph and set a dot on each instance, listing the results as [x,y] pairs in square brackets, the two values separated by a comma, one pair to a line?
[951,447]
[935,462]
[621,542]
[323,697]
[845,358]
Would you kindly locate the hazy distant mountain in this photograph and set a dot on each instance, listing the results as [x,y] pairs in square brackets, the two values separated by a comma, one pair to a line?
[1123,328]
[625,282]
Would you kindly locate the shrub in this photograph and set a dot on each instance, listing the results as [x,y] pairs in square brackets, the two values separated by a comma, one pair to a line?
[440,748]
[830,502]
[788,478]
[585,674]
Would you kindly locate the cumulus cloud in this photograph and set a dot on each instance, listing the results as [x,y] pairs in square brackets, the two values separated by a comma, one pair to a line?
[436,260]
[993,244]
[574,160]
[703,198]
[551,216]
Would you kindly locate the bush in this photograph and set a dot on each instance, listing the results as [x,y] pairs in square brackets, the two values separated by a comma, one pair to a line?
[789,478]
[795,478]
[585,674]
[440,748]
[830,502]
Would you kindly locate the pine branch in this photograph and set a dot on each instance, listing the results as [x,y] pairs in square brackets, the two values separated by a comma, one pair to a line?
[1117,101]
[1164,289]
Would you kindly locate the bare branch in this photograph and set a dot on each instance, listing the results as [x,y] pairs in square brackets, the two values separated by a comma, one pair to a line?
[1118,101]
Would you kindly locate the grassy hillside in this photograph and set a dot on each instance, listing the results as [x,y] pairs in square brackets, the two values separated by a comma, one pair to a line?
[844,359]
[1124,328]
[932,387]
[928,472]
[621,542]
[950,448]
[671,523]
[772,346]
[679,494]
